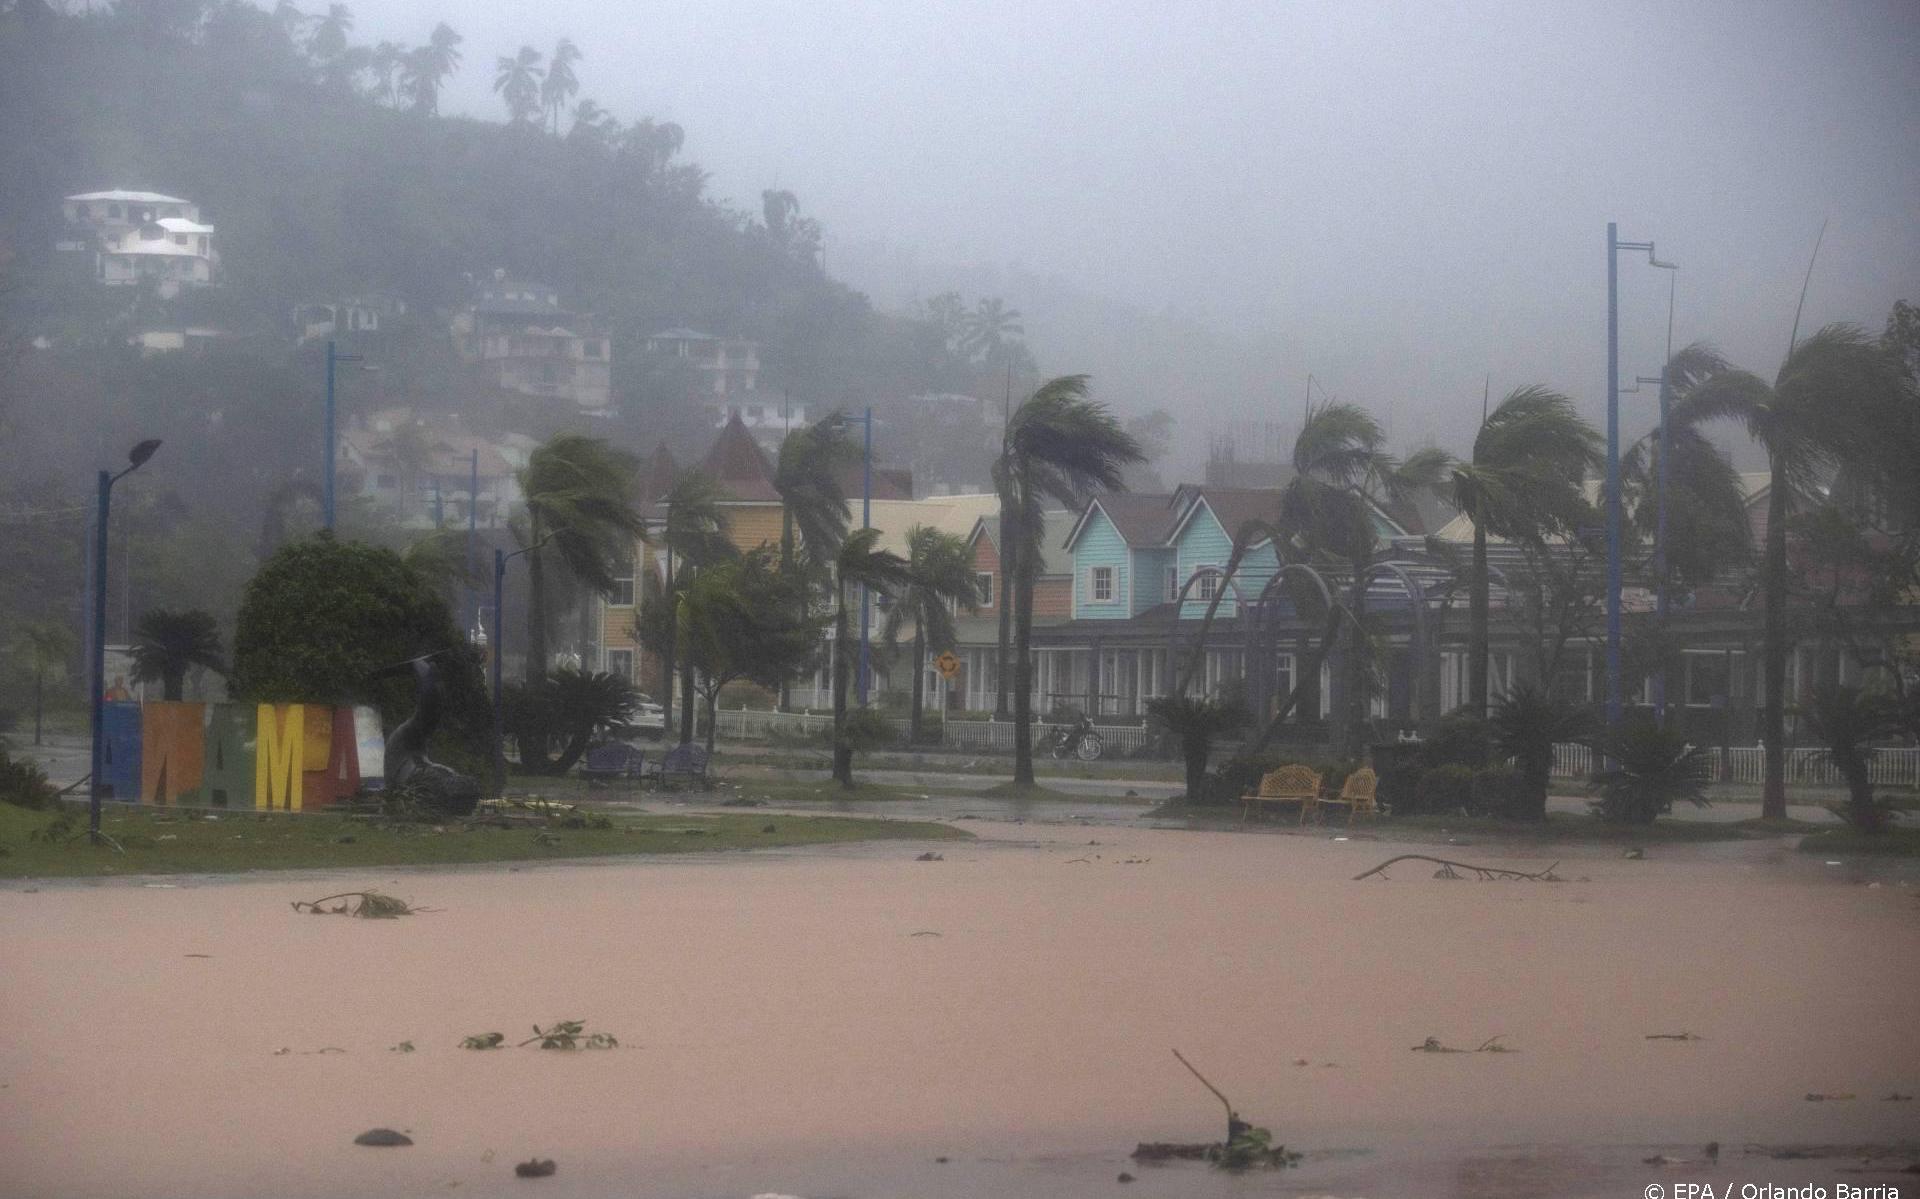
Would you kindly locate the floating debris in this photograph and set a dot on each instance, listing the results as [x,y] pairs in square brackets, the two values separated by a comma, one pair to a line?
[382,1138]
[370,905]
[484,1040]
[539,1167]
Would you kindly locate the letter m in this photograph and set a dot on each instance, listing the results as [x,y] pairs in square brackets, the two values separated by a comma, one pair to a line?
[279,756]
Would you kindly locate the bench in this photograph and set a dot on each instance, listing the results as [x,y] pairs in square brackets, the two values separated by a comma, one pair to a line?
[1356,795]
[614,760]
[686,762]
[1288,784]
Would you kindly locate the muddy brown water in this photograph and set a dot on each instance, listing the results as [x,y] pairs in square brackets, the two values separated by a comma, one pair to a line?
[783,1028]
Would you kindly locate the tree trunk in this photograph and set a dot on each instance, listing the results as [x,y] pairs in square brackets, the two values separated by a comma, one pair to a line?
[1306,675]
[1773,791]
[842,666]
[39,678]
[1197,661]
[1478,620]
[713,724]
[1352,724]
[673,640]
[786,572]
[1023,664]
[1001,683]
[686,702]
[919,683]
[535,669]
[173,682]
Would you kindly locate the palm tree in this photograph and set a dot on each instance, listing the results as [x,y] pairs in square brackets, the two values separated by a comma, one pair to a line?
[593,125]
[941,575]
[813,505]
[168,644]
[46,646]
[695,533]
[859,563]
[561,84]
[1342,474]
[428,66]
[517,79]
[1526,724]
[988,328]
[1816,411]
[1522,483]
[328,38]
[385,63]
[580,509]
[1060,445]
[583,704]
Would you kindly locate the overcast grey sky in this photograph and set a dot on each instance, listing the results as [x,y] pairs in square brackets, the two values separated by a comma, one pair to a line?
[1400,198]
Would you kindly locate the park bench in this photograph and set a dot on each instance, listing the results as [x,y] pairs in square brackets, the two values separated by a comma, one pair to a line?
[1288,784]
[682,763]
[612,761]
[1356,795]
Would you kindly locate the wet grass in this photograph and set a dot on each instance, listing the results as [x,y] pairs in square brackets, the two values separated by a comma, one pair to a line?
[1893,842]
[176,841]
[1557,828]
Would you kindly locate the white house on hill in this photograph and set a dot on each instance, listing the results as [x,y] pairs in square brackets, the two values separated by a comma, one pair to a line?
[138,236]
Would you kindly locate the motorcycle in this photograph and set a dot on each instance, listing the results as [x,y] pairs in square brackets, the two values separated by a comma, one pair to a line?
[1076,741]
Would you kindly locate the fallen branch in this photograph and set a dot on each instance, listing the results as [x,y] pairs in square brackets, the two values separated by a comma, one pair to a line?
[1674,1036]
[1447,870]
[372,905]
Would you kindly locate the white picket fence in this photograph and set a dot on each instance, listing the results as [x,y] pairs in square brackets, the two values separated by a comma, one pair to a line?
[761,724]
[998,735]
[1895,767]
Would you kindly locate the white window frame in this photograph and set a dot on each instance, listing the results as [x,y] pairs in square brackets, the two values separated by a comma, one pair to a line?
[1173,583]
[1209,584]
[621,652]
[1094,579]
[989,595]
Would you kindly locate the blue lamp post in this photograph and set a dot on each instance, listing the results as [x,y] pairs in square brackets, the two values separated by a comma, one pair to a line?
[1614,246]
[866,522]
[136,458]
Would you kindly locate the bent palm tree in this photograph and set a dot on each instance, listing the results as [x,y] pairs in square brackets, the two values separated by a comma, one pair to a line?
[580,509]
[941,573]
[695,532]
[1342,473]
[1523,483]
[561,84]
[860,563]
[517,79]
[1818,409]
[167,644]
[1061,446]
[46,645]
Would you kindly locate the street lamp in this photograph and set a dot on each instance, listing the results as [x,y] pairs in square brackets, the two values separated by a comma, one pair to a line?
[136,458]
[866,522]
[333,357]
[1614,246]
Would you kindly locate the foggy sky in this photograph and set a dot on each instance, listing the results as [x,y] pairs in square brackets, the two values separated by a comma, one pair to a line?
[1401,199]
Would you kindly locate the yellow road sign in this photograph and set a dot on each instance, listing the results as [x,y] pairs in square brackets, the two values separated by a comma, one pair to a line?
[947,664]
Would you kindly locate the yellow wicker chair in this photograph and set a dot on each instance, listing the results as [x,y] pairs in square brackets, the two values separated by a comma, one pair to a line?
[1288,784]
[1356,796]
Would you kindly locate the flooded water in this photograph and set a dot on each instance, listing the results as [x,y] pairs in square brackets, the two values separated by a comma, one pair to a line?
[832,1022]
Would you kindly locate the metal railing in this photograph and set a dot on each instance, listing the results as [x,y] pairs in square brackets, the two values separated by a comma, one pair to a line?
[1892,767]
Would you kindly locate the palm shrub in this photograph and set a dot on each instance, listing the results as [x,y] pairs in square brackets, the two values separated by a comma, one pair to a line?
[1500,791]
[24,784]
[1848,720]
[1527,723]
[167,644]
[1651,767]
[1195,723]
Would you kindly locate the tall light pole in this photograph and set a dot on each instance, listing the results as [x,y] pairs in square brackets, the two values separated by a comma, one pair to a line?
[136,457]
[334,357]
[1614,246]
[1666,447]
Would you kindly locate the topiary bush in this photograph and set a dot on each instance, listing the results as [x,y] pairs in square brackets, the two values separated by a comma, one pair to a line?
[1456,739]
[1503,792]
[1444,790]
[326,621]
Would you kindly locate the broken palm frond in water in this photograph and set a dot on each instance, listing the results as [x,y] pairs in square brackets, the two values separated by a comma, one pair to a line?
[1244,1148]
[570,1034]
[1490,1045]
[370,905]
[1450,869]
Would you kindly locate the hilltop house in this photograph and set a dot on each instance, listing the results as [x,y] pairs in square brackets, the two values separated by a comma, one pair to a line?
[140,237]
[525,342]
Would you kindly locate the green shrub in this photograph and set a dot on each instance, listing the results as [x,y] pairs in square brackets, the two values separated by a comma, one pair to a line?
[867,729]
[1398,766]
[25,785]
[1651,767]
[1456,739]
[1504,792]
[1444,790]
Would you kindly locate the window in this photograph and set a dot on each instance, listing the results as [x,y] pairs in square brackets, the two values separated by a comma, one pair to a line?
[622,596]
[179,239]
[1173,583]
[620,663]
[1209,582]
[1709,678]
[1102,585]
[983,582]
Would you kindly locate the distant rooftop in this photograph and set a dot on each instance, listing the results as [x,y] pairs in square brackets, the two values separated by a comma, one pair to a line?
[130,197]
